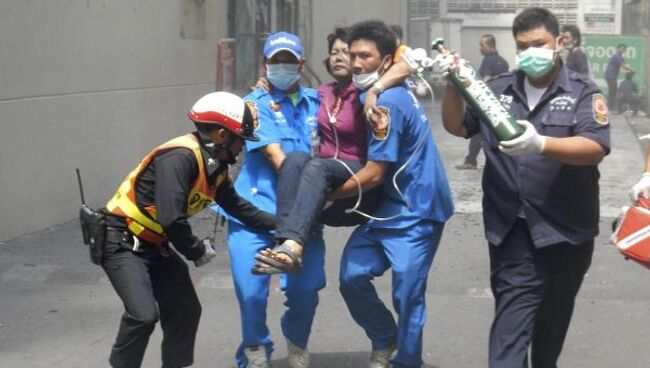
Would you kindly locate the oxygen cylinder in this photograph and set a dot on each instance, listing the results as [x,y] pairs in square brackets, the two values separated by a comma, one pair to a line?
[478,95]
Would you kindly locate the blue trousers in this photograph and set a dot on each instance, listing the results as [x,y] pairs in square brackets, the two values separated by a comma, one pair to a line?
[409,252]
[301,290]
[534,291]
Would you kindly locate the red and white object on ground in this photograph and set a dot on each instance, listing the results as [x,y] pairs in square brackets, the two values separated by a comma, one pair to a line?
[632,232]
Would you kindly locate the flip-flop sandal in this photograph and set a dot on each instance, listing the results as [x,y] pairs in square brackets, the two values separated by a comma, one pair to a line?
[294,267]
[264,269]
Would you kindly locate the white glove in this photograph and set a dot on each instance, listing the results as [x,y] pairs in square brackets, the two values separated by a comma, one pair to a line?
[207,256]
[528,143]
[642,187]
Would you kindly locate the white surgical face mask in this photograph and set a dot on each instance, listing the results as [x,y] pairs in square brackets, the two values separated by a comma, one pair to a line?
[363,81]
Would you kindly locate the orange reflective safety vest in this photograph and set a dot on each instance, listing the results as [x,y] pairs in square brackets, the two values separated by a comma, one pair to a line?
[142,221]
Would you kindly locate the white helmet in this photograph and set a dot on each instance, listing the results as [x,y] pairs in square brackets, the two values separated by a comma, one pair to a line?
[228,111]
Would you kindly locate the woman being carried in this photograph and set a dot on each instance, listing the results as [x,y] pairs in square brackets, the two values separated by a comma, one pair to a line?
[304,182]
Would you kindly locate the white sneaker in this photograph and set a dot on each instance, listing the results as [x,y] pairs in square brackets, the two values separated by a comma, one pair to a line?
[256,356]
[297,357]
[380,358]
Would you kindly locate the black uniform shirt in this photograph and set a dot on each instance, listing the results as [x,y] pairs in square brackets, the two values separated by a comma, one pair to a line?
[492,65]
[166,183]
[560,201]
[577,61]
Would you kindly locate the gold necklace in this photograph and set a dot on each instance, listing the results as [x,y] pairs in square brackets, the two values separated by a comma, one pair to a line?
[337,107]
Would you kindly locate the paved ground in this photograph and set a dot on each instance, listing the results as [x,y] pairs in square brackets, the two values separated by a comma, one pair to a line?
[58,310]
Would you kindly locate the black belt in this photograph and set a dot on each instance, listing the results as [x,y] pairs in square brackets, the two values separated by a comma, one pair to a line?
[131,242]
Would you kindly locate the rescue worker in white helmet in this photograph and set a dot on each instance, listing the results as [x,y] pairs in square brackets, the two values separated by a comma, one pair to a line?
[150,210]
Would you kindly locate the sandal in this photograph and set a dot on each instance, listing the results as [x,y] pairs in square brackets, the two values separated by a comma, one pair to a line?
[264,269]
[293,267]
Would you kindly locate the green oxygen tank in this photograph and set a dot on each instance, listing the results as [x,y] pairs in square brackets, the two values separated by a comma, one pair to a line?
[478,95]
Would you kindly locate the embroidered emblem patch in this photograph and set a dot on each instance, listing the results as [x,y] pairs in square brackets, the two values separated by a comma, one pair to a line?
[599,107]
[381,124]
[562,103]
[253,107]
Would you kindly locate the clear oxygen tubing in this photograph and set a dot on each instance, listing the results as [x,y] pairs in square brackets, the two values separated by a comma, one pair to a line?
[421,77]
[355,208]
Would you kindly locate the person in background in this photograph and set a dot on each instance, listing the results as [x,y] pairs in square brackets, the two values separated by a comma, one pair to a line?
[628,95]
[614,65]
[151,209]
[491,66]
[540,191]
[576,59]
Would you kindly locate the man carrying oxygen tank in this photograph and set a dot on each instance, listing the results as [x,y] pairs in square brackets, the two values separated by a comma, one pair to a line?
[540,204]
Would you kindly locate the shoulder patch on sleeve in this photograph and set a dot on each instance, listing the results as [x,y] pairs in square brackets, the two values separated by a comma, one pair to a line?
[256,120]
[599,107]
[381,127]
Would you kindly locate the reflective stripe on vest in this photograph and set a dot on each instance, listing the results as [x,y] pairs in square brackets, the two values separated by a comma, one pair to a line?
[142,221]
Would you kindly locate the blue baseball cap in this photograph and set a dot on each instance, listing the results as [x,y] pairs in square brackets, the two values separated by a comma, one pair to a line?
[283,41]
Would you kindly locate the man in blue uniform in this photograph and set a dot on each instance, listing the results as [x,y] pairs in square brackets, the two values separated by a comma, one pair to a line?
[540,204]
[287,123]
[410,218]
[614,65]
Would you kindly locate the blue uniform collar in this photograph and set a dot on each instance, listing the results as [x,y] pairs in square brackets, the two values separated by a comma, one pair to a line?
[303,93]
[560,83]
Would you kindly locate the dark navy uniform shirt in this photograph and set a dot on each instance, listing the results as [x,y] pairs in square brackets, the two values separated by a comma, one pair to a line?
[559,201]
[577,61]
[492,64]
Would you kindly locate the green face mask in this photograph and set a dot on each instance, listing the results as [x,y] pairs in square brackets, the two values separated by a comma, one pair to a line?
[536,61]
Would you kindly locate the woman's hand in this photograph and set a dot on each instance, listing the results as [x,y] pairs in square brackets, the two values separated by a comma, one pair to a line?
[262,83]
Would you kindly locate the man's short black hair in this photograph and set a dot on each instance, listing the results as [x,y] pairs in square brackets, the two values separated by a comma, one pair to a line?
[621,45]
[377,32]
[397,30]
[575,33]
[490,40]
[533,18]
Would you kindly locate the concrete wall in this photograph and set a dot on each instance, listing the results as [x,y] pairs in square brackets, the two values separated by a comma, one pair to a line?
[334,13]
[93,84]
